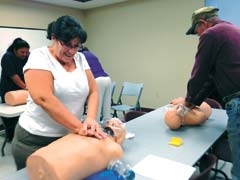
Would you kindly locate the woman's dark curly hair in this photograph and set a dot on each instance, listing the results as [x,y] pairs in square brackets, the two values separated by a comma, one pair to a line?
[17,44]
[66,28]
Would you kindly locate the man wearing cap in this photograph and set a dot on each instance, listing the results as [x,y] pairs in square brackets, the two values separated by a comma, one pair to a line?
[217,66]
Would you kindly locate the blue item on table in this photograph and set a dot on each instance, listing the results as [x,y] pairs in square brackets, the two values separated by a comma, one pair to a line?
[107,174]
[123,169]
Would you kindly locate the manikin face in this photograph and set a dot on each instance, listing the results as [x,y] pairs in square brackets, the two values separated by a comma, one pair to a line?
[119,131]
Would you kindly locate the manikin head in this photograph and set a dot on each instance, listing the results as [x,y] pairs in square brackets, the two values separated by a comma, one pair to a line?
[116,129]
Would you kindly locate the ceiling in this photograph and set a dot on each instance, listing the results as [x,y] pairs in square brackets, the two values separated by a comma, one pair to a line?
[80,5]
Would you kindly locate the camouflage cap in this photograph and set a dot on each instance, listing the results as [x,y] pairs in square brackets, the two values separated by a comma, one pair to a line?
[202,13]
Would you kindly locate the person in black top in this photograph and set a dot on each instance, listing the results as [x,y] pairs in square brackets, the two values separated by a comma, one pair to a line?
[12,77]
[12,67]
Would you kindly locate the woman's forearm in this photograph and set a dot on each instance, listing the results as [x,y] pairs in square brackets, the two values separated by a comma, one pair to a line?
[93,97]
[92,105]
[18,81]
[59,112]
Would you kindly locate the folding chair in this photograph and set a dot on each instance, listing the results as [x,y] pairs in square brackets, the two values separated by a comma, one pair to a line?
[220,148]
[128,90]
[205,165]
[113,90]
[130,115]
[213,103]
[9,125]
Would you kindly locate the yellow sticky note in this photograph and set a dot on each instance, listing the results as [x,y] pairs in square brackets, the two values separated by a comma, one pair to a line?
[176,141]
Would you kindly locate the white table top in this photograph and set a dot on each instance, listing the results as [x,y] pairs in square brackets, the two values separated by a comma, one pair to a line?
[11,111]
[152,137]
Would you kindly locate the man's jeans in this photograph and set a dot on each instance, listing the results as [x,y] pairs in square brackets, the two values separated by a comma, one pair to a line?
[233,127]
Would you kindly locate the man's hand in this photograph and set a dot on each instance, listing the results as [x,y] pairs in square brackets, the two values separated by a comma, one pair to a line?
[189,105]
[182,110]
[181,100]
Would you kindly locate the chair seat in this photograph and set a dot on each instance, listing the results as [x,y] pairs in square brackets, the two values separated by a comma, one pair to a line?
[122,107]
[222,150]
[130,115]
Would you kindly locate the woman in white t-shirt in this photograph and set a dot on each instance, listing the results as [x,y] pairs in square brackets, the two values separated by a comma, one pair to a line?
[59,81]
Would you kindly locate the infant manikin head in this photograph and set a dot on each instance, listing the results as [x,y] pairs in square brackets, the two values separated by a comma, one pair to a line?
[173,117]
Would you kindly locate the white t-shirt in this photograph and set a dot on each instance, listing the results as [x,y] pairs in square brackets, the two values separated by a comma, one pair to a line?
[71,88]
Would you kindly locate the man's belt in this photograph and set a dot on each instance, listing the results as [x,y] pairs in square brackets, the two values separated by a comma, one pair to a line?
[231,96]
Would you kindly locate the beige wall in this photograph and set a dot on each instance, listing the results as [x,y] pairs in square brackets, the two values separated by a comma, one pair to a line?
[145,41]
[25,13]
[138,41]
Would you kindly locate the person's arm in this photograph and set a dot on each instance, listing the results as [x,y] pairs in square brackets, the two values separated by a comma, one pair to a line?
[40,87]
[18,81]
[198,115]
[90,122]
[201,83]
[93,97]
[181,100]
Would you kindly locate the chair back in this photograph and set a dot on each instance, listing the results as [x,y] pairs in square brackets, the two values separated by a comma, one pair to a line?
[221,148]
[131,89]
[206,164]
[213,103]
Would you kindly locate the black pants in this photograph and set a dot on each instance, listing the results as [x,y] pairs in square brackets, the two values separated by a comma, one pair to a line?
[25,143]
[9,126]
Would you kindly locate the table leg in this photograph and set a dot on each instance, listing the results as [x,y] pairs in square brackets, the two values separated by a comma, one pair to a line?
[3,145]
[9,125]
